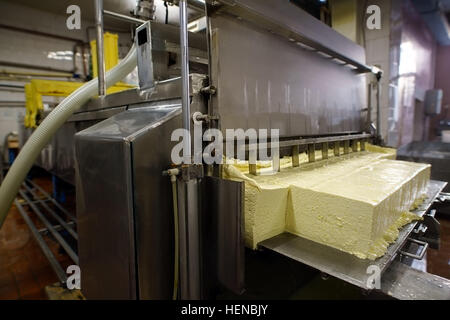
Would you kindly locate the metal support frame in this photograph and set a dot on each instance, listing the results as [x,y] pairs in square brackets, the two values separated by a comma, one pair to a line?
[189,239]
[52,212]
[295,156]
[100,49]
[378,76]
[185,98]
[188,185]
[337,148]
[362,144]
[346,147]
[349,142]
[123,17]
[49,198]
[50,228]
[41,242]
[354,145]
[324,150]
[33,200]
[311,152]
[311,140]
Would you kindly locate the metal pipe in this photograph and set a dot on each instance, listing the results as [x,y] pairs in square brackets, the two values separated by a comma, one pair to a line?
[100,48]
[196,5]
[36,67]
[369,107]
[378,107]
[189,240]
[185,99]
[40,33]
[123,17]
[173,180]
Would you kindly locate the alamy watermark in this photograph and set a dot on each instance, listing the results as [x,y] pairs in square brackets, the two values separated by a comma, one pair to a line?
[374,279]
[74,277]
[209,146]
[73,21]
[374,18]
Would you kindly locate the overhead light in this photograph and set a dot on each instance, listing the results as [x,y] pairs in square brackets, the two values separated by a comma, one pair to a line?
[60,55]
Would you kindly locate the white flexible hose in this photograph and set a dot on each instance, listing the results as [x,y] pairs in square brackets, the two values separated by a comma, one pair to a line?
[44,132]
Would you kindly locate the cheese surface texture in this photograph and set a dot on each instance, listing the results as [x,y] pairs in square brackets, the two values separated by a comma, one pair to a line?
[354,203]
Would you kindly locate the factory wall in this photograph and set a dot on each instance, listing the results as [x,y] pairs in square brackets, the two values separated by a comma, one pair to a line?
[26,55]
[349,18]
[442,81]
[377,44]
[413,75]
[404,48]
[344,18]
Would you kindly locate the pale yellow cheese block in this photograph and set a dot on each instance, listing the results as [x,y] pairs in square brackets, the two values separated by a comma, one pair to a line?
[359,212]
[354,203]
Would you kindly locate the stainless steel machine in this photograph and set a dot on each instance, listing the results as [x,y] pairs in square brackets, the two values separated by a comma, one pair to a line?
[266,64]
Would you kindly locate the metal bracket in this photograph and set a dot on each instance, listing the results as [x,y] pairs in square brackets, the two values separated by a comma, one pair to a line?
[210,90]
[189,172]
[430,230]
[198,118]
[422,252]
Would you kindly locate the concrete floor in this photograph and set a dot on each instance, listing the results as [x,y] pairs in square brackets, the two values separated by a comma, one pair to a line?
[24,270]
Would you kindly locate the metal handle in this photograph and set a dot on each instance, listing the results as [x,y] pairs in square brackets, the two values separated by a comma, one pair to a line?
[416,256]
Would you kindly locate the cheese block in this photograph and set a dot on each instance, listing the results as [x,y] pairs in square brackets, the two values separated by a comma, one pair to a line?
[355,203]
[359,212]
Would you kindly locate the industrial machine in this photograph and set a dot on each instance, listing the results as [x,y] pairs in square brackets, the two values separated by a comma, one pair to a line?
[262,65]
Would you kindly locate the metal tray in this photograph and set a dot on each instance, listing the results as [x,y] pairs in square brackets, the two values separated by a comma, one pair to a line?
[340,264]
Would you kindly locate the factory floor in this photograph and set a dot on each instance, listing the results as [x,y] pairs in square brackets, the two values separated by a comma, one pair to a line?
[438,261]
[25,272]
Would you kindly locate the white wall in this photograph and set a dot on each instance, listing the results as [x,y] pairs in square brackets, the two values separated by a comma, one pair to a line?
[37,50]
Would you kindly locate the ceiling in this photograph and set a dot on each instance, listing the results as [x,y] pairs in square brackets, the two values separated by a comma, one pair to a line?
[119,6]
[436,14]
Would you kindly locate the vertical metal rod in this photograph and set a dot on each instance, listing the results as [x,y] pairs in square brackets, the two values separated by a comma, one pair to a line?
[100,47]
[311,152]
[354,144]
[276,159]
[369,108]
[295,156]
[363,145]
[378,107]
[337,149]
[346,146]
[189,240]
[185,99]
[324,150]
[253,169]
